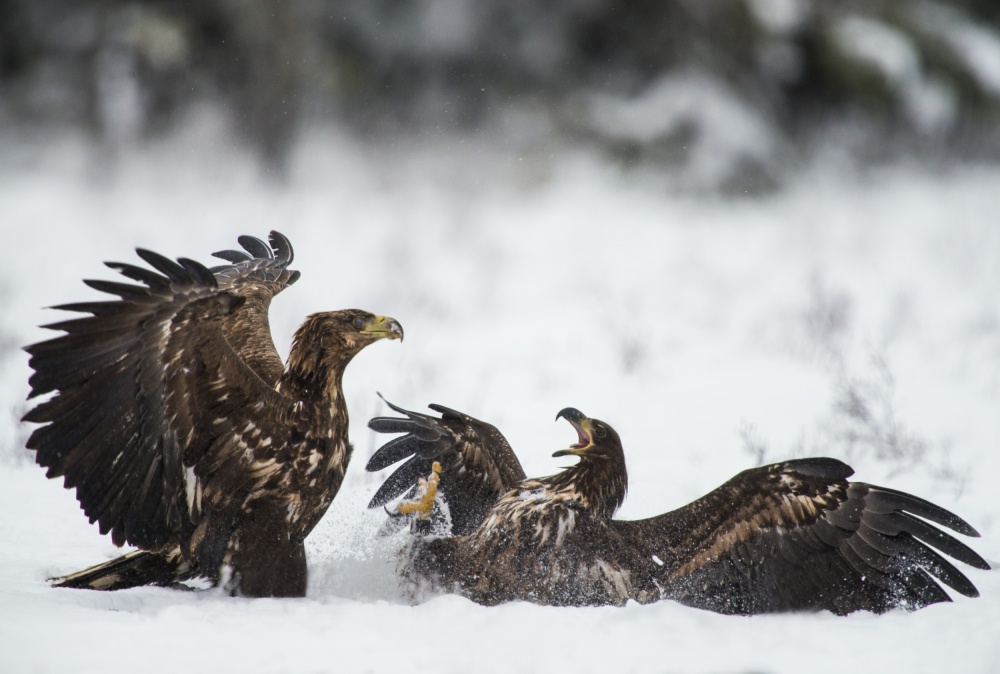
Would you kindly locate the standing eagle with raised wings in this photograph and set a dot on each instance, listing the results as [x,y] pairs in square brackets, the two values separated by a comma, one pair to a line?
[181,430]
[790,536]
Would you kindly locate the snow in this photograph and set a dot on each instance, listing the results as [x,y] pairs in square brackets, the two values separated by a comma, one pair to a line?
[929,103]
[886,48]
[727,130]
[976,46]
[703,329]
[779,17]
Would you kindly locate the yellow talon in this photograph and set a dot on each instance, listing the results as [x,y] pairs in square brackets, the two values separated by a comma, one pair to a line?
[423,504]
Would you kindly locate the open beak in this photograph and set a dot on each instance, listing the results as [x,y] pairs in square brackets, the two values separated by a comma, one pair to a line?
[584,431]
[383,327]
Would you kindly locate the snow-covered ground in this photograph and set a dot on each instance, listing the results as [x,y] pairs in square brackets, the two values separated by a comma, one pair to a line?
[711,333]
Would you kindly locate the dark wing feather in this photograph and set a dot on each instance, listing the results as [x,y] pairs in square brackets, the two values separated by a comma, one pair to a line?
[478,465]
[798,536]
[256,276]
[255,247]
[146,387]
[394,451]
[233,256]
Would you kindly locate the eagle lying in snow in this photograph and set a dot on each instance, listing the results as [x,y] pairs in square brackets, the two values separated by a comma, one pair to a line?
[182,432]
[789,536]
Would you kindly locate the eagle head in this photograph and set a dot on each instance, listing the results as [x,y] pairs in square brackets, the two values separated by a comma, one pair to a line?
[350,330]
[599,479]
[595,438]
[326,342]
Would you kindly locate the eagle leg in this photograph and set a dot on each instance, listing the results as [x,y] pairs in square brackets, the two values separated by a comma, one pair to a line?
[427,490]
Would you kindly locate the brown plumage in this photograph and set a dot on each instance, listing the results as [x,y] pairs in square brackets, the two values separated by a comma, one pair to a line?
[795,535]
[182,432]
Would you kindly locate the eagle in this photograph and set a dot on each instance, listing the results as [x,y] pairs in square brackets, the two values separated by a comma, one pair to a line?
[790,536]
[184,435]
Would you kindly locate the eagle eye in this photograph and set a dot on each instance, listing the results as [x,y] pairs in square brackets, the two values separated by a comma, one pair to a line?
[359,322]
[600,432]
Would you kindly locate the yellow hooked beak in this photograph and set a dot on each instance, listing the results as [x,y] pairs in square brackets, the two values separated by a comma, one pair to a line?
[382,327]
[584,430]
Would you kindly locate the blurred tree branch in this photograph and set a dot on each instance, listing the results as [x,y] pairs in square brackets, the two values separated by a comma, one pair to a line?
[912,77]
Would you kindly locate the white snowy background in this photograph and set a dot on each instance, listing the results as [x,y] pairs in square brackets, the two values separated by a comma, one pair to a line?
[712,332]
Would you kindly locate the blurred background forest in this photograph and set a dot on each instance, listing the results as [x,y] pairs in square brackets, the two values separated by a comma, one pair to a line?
[731,94]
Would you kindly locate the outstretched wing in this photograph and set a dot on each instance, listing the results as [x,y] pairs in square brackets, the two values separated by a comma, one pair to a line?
[478,465]
[149,399]
[798,536]
[256,275]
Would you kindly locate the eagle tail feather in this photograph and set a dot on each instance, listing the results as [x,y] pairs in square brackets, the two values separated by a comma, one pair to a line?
[133,569]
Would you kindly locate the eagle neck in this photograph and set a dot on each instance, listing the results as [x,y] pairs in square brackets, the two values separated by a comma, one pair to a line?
[314,377]
[598,482]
